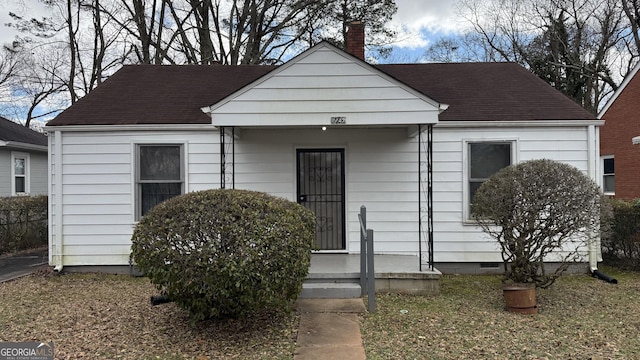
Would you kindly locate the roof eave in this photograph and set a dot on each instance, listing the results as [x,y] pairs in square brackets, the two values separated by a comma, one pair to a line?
[23,146]
[518,123]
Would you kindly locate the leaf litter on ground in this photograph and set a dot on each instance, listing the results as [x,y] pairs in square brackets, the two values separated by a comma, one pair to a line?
[98,316]
[579,317]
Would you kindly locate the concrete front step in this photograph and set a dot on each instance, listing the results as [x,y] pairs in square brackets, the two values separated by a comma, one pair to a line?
[330,290]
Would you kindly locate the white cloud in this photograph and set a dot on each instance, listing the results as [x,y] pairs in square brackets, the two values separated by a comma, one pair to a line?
[26,8]
[417,21]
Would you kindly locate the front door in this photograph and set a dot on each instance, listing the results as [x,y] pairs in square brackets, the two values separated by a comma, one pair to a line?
[321,188]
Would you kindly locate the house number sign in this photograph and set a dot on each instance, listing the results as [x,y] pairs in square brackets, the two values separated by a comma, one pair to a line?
[338,120]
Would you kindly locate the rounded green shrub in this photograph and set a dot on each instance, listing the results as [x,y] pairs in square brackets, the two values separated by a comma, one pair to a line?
[538,211]
[221,253]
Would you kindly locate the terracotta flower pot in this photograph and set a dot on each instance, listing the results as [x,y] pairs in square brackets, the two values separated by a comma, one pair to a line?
[520,298]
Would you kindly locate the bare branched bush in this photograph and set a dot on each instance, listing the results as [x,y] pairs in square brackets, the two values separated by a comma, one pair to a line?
[538,210]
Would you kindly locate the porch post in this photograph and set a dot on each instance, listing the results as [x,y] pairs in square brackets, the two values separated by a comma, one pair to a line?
[223,158]
[429,190]
[430,194]
[420,196]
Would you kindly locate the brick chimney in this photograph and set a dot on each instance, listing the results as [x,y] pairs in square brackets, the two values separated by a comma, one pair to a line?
[355,39]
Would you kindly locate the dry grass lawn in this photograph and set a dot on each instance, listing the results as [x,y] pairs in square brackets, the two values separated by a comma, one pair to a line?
[580,318]
[90,316]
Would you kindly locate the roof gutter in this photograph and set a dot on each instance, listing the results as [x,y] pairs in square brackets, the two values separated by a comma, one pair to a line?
[512,123]
[130,127]
[23,146]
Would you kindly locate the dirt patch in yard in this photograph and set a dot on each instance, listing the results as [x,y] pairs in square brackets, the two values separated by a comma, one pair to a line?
[91,316]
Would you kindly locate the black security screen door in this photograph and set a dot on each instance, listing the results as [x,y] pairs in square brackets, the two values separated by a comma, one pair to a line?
[321,189]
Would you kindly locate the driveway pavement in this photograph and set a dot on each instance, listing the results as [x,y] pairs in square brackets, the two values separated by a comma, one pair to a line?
[21,264]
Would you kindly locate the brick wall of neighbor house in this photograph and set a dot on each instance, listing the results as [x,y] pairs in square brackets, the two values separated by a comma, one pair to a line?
[622,123]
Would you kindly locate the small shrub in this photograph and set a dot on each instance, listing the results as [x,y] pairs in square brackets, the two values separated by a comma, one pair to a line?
[23,223]
[223,253]
[538,210]
[621,233]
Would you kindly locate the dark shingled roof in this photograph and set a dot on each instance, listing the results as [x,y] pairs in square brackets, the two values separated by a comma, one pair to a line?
[156,94]
[159,94]
[488,91]
[10,131]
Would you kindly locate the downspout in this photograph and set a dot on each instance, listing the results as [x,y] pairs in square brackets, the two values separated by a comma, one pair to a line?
[57,175]
[593,138]
[594,175]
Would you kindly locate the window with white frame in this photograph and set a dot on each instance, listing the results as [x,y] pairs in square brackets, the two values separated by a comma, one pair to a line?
[159,175]
[485,158]
[19,173]
[608,175]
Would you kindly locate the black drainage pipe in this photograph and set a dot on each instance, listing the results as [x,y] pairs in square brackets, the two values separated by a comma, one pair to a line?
[602,276]
[160,299]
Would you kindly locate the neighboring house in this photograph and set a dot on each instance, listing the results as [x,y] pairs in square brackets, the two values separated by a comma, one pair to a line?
[23,160]
[325,129]
[620,158]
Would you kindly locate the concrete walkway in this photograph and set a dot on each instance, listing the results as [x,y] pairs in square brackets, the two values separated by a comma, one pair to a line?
[329,329]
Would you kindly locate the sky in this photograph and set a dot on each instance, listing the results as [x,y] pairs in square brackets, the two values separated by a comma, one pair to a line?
[417,22]
[421,20]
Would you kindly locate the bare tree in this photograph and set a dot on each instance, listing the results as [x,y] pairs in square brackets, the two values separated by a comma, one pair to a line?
[9,65]
[631,9]
[92,38]
[572,44]
[468,47]
[375,14]
[38,84]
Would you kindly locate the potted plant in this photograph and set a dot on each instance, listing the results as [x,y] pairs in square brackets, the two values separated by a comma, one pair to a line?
[539,212]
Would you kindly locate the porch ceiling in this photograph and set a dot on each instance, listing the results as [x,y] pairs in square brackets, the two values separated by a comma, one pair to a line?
[411,129]
[337,118]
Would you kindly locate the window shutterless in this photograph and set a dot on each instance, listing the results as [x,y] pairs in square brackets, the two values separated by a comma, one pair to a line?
[159,175]
[486,159]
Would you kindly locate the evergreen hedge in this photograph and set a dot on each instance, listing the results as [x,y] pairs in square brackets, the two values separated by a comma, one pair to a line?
[220,253]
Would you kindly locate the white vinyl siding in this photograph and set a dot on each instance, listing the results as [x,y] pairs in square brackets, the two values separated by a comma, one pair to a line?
[455,239]
[98,189]
[321,84]
[381,172]
[38,173]
[5,172]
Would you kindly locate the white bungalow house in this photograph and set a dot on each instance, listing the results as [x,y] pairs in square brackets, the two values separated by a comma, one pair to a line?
[411,142]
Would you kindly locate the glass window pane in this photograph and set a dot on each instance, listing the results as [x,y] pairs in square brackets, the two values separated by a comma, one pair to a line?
[609,184]
[609,166]
[473,187]
[19,165]
[152,194]
[487,158]
[159,162]
[20,184]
